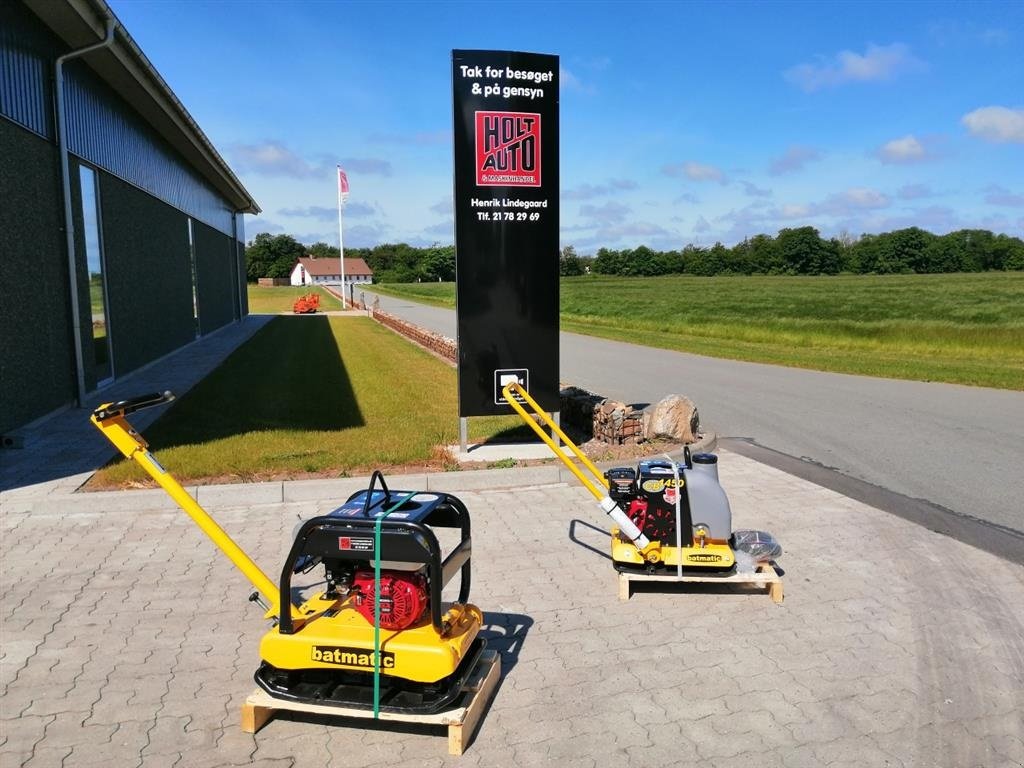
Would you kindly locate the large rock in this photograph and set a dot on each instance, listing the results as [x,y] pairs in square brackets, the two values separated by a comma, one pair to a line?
[675,418]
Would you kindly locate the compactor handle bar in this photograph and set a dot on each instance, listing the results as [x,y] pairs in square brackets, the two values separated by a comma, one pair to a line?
[110,419]
[598,485]
[132,404]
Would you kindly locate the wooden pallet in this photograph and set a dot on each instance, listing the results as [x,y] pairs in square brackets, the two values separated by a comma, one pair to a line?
[765,576]
[461,720]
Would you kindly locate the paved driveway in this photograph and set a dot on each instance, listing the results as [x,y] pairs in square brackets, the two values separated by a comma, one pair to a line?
[127,640]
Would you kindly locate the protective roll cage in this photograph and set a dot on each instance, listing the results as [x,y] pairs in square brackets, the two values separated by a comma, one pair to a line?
[408,539]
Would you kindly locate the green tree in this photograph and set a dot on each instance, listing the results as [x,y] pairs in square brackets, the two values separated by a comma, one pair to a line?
[765,255]
[909,248]
[569,264]
[271,256]
[322,250]
[438,263]
[803,251]
[608,262]
[643,261]
[695,260]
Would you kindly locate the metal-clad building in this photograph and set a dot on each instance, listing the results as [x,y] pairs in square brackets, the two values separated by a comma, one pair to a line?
[120,225]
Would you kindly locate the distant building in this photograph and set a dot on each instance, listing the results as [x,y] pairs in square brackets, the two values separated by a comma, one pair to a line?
[311,270]
[120,225]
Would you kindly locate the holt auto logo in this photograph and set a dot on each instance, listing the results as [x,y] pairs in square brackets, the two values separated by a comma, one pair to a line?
[507,149]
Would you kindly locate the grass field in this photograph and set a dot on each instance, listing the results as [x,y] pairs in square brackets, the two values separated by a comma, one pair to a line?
[435,294]
[268,300]
[964,328]
[324,395]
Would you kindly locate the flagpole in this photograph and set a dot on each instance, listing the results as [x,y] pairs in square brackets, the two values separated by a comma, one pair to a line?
[341,241]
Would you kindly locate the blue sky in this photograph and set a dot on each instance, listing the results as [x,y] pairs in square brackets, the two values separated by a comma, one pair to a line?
[680,122]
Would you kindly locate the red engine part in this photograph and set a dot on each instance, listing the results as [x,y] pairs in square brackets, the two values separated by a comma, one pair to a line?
[403,597]
[657,523]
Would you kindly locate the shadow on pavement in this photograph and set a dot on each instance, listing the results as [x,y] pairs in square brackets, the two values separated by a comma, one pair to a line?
[590,547]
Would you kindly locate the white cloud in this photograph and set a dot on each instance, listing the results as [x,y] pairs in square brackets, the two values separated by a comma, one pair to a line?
[324,213]
[653,235]
[567,81]
[695,171]
[423,138]
[364,235]
[996,124]
[903,151]
[273,158]
[589,191]
[609,212]
[849,202]
[255,225]
[994,36]
[793,211]
[794,159]
[750,190]
[744,222]
[444,207]
[947,32]
[914,191]
[878,62]
[1001,196]
[371,166]
[312,211]
[446,228]
[702,225]
[855,198]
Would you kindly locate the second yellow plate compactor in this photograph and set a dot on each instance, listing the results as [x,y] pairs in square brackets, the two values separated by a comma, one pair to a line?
[668,516]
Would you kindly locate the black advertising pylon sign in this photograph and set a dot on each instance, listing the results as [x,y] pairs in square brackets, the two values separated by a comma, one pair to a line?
[506,226]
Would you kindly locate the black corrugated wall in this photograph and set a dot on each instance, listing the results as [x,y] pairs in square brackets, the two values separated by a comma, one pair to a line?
[215,270]
[147,192]
[37,359]
[242,279]
[149,277]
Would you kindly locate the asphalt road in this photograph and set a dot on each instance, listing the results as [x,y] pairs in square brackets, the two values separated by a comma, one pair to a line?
[959,448]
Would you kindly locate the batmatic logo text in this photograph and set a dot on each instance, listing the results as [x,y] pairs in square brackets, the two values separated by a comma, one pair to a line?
[507,149]
[351,657]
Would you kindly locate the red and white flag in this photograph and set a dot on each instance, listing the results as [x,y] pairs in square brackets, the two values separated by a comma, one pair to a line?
[342,186]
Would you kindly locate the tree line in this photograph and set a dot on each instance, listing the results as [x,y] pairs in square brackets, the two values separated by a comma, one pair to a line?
[797,251]
[269,255]
[802,251]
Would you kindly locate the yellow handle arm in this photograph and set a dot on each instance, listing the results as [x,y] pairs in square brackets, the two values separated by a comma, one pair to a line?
[117,429]
[513,389]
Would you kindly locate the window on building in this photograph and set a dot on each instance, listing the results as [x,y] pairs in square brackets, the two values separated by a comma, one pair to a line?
[195,278]
[101,357]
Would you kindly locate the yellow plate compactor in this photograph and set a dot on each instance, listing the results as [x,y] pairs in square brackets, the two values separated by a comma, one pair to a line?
[376,637]
[668,516]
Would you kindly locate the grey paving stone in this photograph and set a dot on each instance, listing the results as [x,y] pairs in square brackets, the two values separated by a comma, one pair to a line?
[905,649]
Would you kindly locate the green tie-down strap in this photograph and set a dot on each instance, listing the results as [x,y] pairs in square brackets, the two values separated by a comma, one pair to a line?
[376,605]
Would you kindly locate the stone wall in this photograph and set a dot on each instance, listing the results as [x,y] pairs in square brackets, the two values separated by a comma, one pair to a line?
[601,419]
[435,342]
[270,281]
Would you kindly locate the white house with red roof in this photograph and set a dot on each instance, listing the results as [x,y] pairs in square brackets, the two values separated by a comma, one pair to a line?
[311,270]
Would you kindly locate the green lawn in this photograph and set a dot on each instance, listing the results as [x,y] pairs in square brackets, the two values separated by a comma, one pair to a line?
[324,395]
[435,294]
[270,300]
[962,328]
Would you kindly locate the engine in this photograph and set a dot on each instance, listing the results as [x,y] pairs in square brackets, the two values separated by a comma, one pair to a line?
[648,496]
[403,597]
